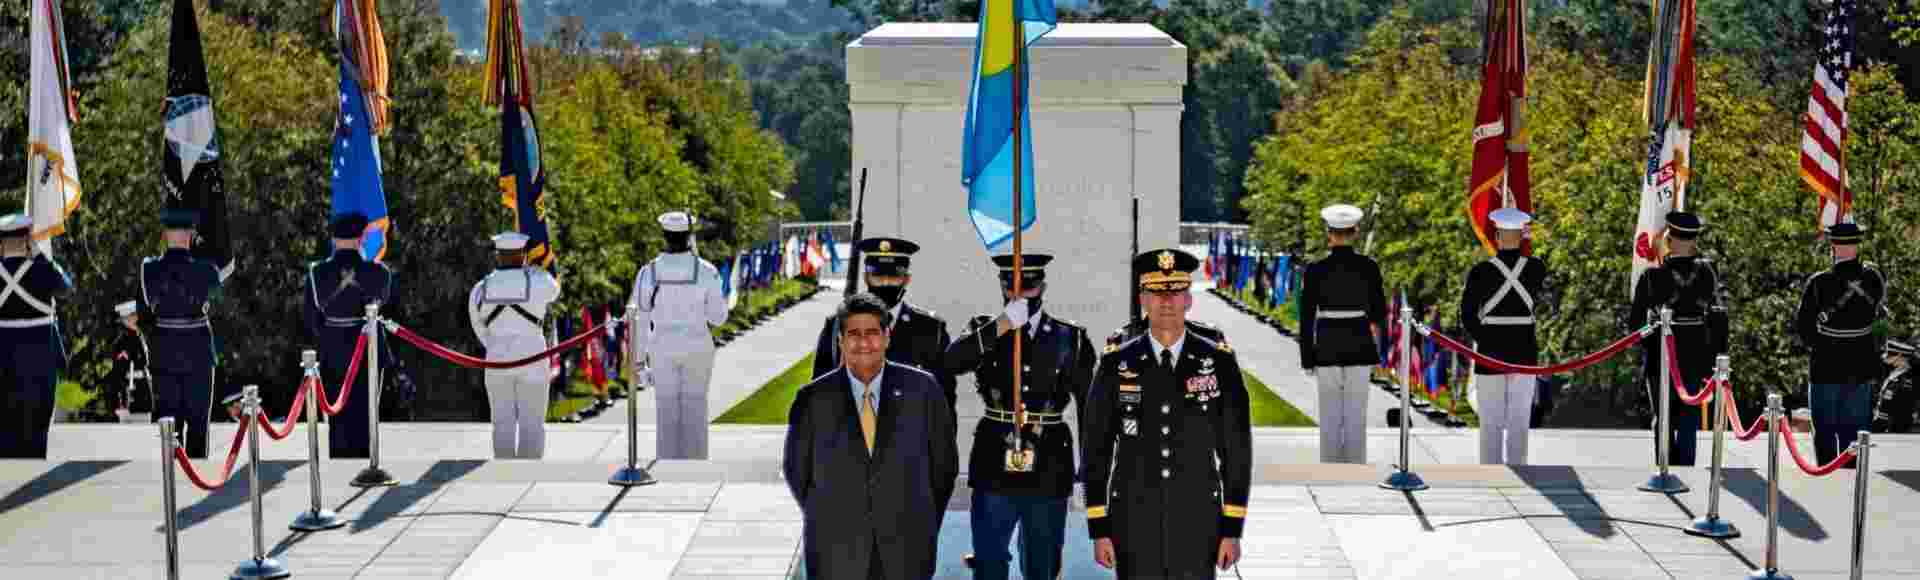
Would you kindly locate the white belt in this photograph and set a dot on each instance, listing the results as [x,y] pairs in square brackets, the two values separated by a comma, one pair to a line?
[1342,314]
[136,374]
[1843,333]
[27,322]
[1033,417]
[181,323]
[1689,321]
[344,322]
[1507,320]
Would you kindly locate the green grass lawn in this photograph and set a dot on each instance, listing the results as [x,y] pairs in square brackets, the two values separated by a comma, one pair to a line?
[769,404]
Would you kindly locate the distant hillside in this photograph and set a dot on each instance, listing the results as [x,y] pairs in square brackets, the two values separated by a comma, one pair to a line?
[738,22]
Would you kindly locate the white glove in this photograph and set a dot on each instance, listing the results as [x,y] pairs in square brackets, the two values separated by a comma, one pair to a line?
[1016,313]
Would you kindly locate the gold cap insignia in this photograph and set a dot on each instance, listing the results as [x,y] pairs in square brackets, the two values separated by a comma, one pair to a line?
[886,246]
[1166,260]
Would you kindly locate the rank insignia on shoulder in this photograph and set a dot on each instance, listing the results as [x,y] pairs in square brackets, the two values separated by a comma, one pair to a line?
[1226,348]
[1111,347]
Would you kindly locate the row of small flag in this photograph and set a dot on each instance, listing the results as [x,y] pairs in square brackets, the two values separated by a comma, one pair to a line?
[1433,366]
[1230,263]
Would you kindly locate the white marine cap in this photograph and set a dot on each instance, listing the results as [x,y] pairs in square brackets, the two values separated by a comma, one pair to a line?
[15,224]
[125,309]
[676,221]
[1507,218]
[510,241]
[1341,216]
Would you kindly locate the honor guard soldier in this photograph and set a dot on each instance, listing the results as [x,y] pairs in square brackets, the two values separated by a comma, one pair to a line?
[1343,306]
[1168,459]
[30,333]
[1024,484]
[1894,413]
[1839,310]
[678,302]
[177,291]
[1688,284]
[339,289]
[129,350]
[918,337]
[508,310]
[1497,307]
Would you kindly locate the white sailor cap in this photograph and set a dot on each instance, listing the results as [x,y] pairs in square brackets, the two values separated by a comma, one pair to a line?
[15,224]
[1341,216]
[510,241]
[676,221]
[124,309]
[1510,219]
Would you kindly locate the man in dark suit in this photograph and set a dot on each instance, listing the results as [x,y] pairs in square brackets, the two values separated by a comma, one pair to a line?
[338,291]
[917,336]
[870,457]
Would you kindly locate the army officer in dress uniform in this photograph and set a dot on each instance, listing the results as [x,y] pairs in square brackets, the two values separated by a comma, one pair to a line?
[1497,307]
[339,289]
[1025,487]
[176,292]
[31,350]
[1167,444]
[918,337]
[1838,312]
[1687,283]
[1343,305]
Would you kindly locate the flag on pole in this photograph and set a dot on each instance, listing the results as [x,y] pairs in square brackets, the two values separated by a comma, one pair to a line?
[1500,125]
[191,155]
[987,143]
[591,359]
[357,184]
[1823,161]
[1669,110]
[523,178]
[53,174]
[833,249]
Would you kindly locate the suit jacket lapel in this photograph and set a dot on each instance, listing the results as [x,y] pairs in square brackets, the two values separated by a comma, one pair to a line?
[889,409]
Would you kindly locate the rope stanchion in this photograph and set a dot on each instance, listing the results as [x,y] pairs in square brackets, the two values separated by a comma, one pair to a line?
[1771,569]
[293,413]
[1863,444]
[316,518]
[633,473]
[1711,525]
[169,441]
[339,404]
[470,361]
[226,472]
[259,566]
[1617,347]
[1663,479]
[1404,479]
[1793,448]
[372,475]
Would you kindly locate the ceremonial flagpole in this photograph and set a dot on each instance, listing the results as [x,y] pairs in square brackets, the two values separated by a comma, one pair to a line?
[1019,153]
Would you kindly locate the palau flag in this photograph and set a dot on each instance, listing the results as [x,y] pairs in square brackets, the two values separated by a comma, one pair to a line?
[191,155]
[987,147]
[363,115]
[522,176]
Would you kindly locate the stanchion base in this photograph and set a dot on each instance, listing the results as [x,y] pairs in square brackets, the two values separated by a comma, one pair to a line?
[252,569]
[373,477]
[1706,527]
[1664,483]
[1404,481]
[1768,575]
[631,476]
[312,521]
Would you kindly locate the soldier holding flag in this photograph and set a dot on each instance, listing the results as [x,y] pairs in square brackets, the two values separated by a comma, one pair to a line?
[177,291]
[339,289]
[30,334]
[677,302]
[1687,283]
[1498,307]
[1840,311]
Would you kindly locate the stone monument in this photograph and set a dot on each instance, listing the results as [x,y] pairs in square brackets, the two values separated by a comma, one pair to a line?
[1106,128]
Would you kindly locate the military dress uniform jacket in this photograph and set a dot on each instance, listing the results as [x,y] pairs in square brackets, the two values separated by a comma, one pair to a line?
[861,509]
[176,292]
[1342,300]
[338,291]
[918,338]
[27,315]
[1837,312]
[1691,287]
[1498,307]
[1168,457]
[1893,408]
[1056,367]
[128,381]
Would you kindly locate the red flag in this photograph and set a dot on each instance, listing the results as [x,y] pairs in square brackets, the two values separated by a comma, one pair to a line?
[590,355]
[1499,127]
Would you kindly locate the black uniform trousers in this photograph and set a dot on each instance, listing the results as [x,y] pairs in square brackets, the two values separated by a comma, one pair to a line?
[347,433]
[183,374]
[29,369]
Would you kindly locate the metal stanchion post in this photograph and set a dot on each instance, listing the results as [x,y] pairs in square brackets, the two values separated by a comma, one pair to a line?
[260,566]
[633,474]
[1861,476]
[1772,569]
[167,442]
[1711,525]
[1662,481]
[373,475]
[315,518]
[1403,478]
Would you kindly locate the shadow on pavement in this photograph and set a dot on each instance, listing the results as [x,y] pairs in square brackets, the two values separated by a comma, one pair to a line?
[1581,507]
[235,493]
[62,476]
[1750,487]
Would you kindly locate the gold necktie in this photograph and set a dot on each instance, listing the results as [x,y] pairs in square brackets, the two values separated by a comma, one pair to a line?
[867,417]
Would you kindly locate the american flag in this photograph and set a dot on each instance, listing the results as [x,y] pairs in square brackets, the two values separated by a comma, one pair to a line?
[1822,163]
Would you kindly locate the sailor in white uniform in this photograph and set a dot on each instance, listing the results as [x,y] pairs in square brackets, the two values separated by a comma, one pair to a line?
[508,310]
[675,304]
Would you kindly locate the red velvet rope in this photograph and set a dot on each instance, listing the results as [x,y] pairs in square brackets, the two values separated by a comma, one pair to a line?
[293,414]
[226,473]
[1586,361]
[1793,448]
[1680,384]
[473,362]
[346,389]
[1749,432]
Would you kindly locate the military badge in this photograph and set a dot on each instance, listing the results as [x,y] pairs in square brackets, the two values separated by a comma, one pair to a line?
[1130,427]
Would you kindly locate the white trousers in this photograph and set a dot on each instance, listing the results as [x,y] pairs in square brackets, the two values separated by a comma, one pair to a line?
[680,389]
[1505,406]
[1343,413]
[519,399]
